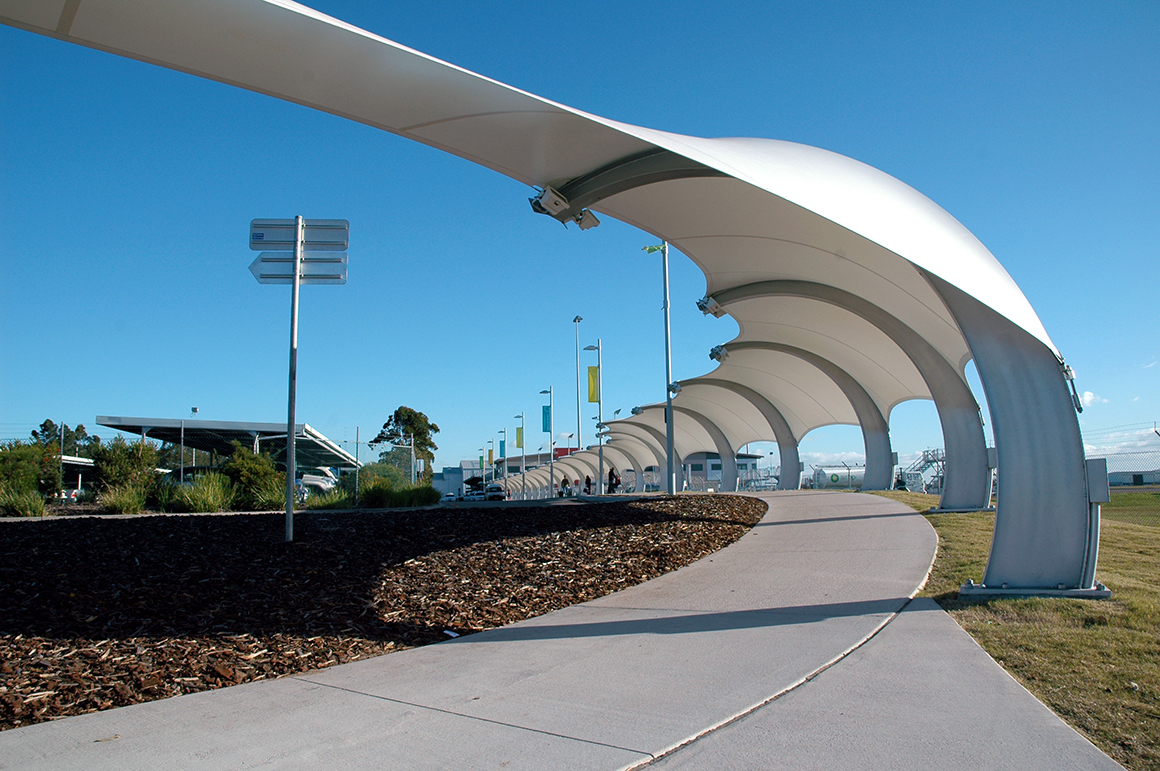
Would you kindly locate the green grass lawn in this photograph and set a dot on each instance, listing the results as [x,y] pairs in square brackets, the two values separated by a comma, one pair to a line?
[1096,663]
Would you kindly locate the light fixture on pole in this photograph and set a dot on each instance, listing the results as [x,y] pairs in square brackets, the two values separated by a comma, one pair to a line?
[579,435]
[598,393]
[523,456]
[671,479]
[549,426]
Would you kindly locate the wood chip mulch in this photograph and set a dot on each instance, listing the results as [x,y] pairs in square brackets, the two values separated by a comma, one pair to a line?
[98,613]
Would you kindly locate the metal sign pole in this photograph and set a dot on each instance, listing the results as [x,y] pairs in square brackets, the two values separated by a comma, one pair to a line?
[671,479]
[290,466]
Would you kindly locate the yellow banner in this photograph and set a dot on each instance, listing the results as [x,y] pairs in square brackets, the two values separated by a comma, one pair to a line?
[519,433]
[594,384]
[490,453]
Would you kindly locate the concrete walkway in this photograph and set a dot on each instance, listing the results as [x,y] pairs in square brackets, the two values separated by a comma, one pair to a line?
[754,657]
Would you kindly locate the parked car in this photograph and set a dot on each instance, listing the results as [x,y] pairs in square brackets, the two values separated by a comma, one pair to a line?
[475,495]
[318,481]
[495,493]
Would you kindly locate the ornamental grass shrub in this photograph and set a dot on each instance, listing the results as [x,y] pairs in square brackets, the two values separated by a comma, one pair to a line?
[125,498]
[21,503]
[337,498]
[381,495]
[208,493]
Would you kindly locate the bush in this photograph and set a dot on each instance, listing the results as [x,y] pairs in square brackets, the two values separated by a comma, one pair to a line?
[21,503]
[209,492]
[30,467]
[258,485]
[335,499]
[380,495]
[123,499]
[269,495]
[374,473]
[121,464]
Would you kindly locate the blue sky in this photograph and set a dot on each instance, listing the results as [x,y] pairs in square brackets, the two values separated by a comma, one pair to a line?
[127,191]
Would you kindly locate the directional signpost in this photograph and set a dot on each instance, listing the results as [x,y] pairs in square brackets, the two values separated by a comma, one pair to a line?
[297,252]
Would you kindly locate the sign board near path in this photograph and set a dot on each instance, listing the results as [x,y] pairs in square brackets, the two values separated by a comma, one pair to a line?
[319,235]
[317,268]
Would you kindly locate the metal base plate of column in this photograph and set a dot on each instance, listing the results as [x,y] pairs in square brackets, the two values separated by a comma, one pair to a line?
[977,591]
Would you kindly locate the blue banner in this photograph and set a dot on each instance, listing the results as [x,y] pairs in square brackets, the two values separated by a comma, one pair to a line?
[547,419]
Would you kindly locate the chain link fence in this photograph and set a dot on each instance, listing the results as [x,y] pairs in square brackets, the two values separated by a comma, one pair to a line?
[1134,478]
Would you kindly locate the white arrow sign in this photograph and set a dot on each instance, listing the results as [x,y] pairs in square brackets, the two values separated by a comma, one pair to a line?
[278,268]
[318,235]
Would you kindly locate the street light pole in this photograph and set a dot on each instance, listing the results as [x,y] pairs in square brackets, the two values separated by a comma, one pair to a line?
[503,448]
[523,458]
[599,407]
[551,438]
[491,458]
[663,248]
[579,441]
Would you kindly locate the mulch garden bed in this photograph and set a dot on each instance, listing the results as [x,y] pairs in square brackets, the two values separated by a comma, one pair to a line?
[103,612]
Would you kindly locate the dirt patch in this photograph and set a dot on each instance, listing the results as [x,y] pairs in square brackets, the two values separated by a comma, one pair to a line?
[97,613]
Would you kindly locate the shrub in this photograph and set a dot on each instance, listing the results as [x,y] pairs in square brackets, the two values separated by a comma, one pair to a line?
[380,495]
[258,485]
[21,503]
[270,495]
[30,467]
[373,473]
[121,464]
[123,499]
[335,499]
[209,492]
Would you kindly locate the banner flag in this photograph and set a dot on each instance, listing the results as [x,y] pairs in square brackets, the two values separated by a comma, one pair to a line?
[520,437]
[491,456]
[547,419]
[502,454]
[481,465]
[594,384]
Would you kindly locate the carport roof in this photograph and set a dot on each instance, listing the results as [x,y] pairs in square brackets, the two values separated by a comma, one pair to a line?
[311,448]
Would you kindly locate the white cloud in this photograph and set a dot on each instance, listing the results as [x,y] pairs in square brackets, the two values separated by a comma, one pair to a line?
[1150,366]
[1088,399]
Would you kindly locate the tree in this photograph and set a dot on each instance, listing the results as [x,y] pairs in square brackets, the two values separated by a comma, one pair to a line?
[121,463]
[76,441]
[405,423]
[28,467]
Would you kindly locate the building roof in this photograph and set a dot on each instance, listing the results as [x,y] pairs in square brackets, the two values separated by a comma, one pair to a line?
[311,448]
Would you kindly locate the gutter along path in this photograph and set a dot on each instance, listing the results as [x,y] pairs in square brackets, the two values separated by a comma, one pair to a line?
[796,647]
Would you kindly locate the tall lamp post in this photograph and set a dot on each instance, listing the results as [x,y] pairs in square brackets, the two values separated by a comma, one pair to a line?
[549,426]
[671,481]
[600,405]
[579,441]
[523,456]
[503,448]
[491,458]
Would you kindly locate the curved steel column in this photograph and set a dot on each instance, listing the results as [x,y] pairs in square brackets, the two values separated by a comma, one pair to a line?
[875,431]
[967,484]
[628,461]
[659,448]
[787,443]
[1042,528]
[724,449]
